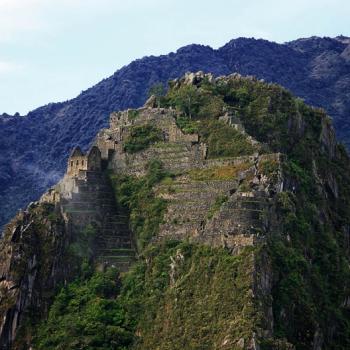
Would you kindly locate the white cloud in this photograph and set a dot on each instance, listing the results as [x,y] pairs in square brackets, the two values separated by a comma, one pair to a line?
[18,17]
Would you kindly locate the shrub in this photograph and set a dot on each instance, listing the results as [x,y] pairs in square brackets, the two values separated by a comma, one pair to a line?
[136,194]
[223,140]
[87,315]
[142,137]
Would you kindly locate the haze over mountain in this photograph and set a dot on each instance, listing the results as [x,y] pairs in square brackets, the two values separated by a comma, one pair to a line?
[35,147]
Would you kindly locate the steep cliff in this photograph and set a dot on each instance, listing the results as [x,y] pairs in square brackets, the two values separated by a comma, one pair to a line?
[34,148]
[234,197]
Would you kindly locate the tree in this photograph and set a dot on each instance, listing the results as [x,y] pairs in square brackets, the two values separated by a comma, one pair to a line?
[158,91]
[187,99]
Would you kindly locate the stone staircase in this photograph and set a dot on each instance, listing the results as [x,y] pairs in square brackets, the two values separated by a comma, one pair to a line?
[92,202]
[114,243]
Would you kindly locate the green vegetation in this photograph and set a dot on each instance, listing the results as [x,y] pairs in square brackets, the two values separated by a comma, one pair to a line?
[269,166]
[224,141]
[158,91]
[313,274]
[187,125]
[187,100]
[268,112]
[141,137]
[152,305]
[137,195]
[87,315]
[200,106]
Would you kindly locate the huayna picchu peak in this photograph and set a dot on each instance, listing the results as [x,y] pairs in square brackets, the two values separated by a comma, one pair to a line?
[35,147]
[216,216]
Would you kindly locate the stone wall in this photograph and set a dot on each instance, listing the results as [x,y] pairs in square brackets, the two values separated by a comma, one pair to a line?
[177,150]
[79,163]
[193,211]
[231,212]
[76,163]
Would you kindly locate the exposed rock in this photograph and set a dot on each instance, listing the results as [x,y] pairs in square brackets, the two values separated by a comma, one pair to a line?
[151,102]
[32,264]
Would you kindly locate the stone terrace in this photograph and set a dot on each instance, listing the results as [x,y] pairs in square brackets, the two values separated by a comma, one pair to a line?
[90,200]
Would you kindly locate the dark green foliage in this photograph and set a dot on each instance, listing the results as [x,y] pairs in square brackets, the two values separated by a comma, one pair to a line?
[141,137]
[87,315]
[186,99]
[136,194]
[158,91]
[311,269]
[223,140]
[187,125]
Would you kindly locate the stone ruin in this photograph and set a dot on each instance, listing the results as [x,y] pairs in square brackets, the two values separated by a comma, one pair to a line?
[240,221]
[79,163]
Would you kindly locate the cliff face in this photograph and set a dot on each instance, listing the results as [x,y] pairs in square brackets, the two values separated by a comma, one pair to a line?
[35,147]
[234,196]
[33,263]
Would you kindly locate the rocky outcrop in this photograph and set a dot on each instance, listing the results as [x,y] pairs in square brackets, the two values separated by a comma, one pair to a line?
[33,263]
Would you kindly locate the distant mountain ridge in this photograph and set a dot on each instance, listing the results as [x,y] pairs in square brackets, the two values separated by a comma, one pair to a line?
[35,147]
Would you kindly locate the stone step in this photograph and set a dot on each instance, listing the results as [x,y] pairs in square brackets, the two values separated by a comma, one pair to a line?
[115,251]
[115,229]
[236,224]
[195,206]
[115,245]
[170,147]
[116,216]
[241,213]
[114,238]
[95,189]
[112,234]
[205,185]
[77,211]
[116,258]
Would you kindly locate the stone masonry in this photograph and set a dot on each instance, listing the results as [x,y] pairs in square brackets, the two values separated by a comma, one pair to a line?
[244,215]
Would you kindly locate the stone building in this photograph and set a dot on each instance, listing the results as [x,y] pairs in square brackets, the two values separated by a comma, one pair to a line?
[79,163]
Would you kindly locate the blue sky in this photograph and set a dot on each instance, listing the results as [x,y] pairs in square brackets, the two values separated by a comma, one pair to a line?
[50,50]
